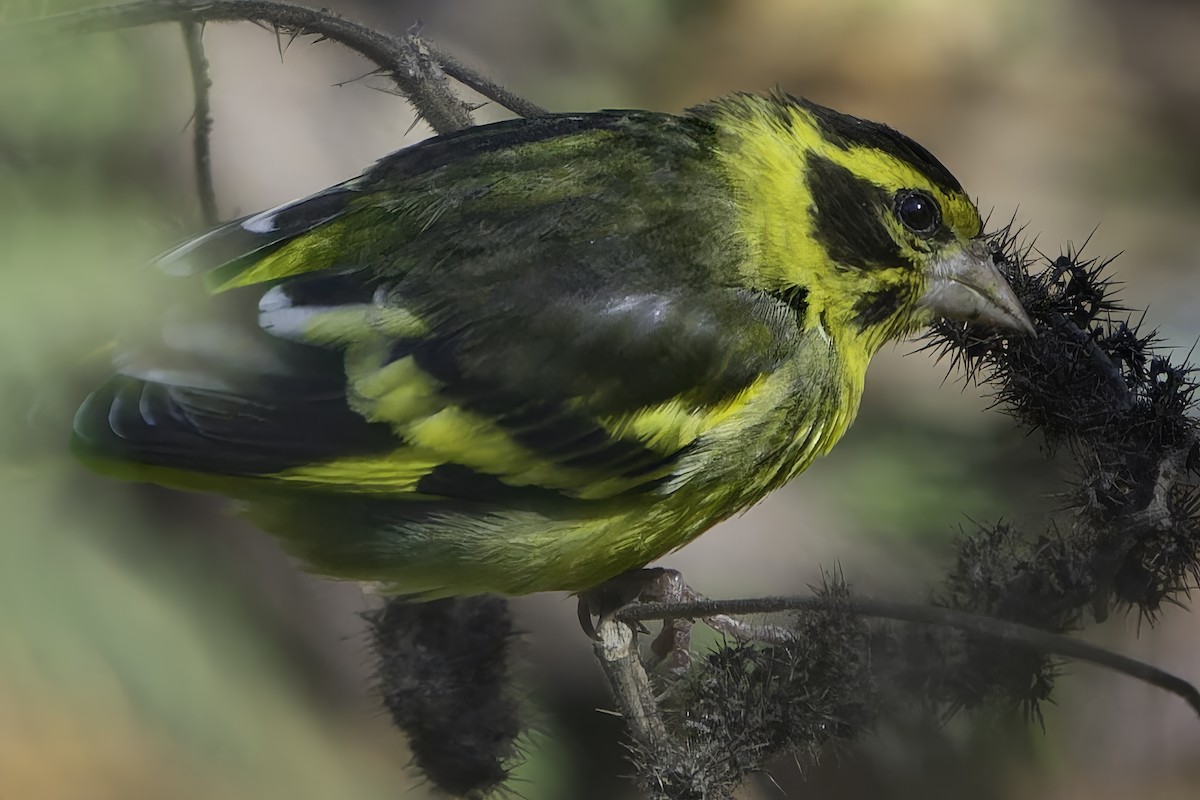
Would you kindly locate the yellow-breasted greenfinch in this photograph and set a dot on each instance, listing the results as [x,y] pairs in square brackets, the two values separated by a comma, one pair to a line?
[535,354]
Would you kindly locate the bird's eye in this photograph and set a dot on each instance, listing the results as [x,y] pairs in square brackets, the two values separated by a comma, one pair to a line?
[918,212]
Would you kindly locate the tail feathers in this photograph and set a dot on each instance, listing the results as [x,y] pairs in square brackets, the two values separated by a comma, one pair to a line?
[131,421]
[203,431]
[199,348]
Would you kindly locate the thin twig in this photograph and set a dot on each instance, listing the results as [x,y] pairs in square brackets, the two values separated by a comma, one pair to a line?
[1002,630]
[484,85]
[406,59]
[202,121]
[745,631]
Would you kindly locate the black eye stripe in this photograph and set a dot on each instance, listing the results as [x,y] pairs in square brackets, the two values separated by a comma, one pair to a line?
[918,212]
[847,217]
[847,132]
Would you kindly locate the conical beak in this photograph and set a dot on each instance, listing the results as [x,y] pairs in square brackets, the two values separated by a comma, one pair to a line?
[968,286]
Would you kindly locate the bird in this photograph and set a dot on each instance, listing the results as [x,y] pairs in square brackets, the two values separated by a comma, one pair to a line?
[537,354]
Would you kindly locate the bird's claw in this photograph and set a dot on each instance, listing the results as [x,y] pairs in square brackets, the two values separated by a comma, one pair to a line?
[673,643]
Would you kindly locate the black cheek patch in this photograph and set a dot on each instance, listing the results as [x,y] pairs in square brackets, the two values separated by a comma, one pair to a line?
[875,307]
[846,220]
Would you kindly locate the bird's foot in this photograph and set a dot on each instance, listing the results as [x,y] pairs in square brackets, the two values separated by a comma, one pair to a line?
[602,602]
[649,586]
[673,643]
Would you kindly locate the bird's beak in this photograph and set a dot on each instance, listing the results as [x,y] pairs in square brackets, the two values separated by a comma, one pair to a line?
[967,285]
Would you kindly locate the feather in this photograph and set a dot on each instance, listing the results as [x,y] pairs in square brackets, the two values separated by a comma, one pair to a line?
[255,234]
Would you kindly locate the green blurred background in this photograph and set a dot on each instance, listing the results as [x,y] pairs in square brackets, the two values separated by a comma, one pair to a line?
[151,645]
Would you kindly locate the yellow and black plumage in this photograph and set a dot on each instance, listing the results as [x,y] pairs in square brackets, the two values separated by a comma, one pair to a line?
[532,355]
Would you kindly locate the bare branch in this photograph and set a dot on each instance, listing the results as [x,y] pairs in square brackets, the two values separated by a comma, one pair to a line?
[616,650]
[202,121]
[484,85]
[998,629]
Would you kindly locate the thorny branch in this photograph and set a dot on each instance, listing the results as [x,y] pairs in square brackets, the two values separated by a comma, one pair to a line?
[407,59]
[997,629]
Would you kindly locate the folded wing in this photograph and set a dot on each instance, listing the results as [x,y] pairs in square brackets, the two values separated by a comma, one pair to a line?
[477,319]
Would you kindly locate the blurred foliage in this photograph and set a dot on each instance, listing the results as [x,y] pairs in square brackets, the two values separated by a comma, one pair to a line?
[905,472]
[127,669]
[110,686]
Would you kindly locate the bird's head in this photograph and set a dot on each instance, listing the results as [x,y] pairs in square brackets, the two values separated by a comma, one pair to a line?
[860,222]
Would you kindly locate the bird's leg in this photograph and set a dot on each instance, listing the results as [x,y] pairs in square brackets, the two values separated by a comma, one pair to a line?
[674,642]
[657,585]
